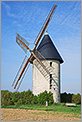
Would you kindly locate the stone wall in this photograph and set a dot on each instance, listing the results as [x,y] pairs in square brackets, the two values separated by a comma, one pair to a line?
[40,83]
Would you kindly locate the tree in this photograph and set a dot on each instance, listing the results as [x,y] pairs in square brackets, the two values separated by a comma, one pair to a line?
[27,97]
[19,102]
[35,100]
[6,98]
[50,98]
[76,98]
[64,97]
[43,97]
[69,98]
[15,97]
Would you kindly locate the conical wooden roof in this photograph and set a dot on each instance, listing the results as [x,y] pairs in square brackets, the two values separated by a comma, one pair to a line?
[48,49]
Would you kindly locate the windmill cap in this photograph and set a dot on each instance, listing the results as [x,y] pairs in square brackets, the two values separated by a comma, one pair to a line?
[48,49]
[46,33]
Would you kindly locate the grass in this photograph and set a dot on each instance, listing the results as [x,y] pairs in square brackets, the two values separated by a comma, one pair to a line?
[54,108]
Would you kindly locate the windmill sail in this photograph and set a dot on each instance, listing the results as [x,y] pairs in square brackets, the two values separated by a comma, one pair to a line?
[19,71]
[24,45]
[44,26]
[15,83]
[47,71]
[22,70]
[20,39]
[20,81]
[41,57]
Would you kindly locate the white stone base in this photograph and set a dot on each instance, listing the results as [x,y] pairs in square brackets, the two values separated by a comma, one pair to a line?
[40,84]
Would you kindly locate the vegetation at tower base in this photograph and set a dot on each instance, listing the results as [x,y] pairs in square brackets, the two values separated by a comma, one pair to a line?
[43,97]
[27,98]
[6,98]
[70,98]
[66,98]
[24,98]
[76,98]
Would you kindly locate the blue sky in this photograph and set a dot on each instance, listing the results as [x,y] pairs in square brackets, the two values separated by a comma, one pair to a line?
[27,18]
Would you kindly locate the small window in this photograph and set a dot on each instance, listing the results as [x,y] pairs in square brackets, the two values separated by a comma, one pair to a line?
[50,64]
[50,81]
[50,76]
[50,86]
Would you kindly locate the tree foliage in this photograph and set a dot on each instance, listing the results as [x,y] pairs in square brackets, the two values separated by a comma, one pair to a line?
[6,98]
[70,98]
[66,98]
[76,98]
[27,98]
[43,97]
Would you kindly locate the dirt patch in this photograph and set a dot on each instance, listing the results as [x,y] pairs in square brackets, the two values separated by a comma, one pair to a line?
[23,114]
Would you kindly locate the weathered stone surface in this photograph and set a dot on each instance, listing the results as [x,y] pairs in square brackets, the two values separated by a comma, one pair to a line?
[40,83]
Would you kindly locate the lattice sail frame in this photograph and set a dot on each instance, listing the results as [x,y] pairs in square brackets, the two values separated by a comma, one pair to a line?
[18,37]
[24,45]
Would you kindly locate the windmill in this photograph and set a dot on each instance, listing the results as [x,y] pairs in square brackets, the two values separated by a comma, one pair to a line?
[39,61]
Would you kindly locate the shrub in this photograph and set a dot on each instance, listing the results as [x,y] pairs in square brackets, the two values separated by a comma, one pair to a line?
[27,97]
[43,97]
[19,102]
[66,98]
[76,98]
[35,100]
[6,98]
[15,97]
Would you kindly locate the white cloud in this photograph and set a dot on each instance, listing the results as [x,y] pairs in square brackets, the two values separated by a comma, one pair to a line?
[8,10]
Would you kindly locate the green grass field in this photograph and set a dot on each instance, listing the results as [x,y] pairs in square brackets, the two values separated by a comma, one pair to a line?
[54,107]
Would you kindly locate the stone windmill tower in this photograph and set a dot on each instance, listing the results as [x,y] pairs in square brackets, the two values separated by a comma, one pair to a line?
[46,63]
[52,59]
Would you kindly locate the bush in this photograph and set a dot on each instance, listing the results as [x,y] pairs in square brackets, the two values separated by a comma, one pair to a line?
[66,98]
[19,102]
[6,98]
[27,97]
[76,98]
[43,97]
[50,98]
[35,100]
[15,97]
